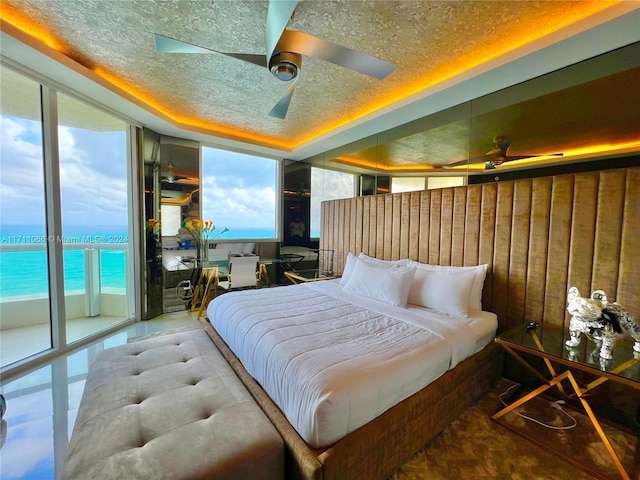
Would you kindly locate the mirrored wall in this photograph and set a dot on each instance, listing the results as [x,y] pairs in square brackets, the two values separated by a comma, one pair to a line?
[585,116]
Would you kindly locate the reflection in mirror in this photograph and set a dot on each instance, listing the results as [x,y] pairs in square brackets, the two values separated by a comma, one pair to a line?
[418,150]
[152,274]
[296,203]
[180,181]
[328,184]
[586,111]
[575,114]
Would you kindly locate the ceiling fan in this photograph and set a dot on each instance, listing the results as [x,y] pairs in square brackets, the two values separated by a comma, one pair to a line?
[498,155]
[170,176]
[284,50]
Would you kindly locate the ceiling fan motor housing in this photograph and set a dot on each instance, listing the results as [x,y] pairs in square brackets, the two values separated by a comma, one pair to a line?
[285,65]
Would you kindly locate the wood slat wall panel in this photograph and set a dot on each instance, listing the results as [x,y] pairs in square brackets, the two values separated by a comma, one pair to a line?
[520,227]
[396,232]
[414,226]
[380,227]
[366,223]
[355,224]
[388,228]
[559,242]
[370,215]
[405,224]
[434,226]
[359,225]
[538,246]
[606,251]
[472,225]
[425,226]
[502,250]
[487,237]
[344,225]
[446,226]
[458,228]
[583,229]
[629,277]
[539,237]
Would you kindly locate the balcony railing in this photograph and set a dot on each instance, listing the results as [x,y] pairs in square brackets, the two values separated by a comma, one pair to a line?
[24,301]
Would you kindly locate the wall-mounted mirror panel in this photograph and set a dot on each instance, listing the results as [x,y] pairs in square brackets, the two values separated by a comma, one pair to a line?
[583,112]
[586,111]
[149,142]
[180,182]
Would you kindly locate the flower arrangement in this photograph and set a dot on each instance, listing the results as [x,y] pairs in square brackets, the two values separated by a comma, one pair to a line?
[201,231]
[152,223]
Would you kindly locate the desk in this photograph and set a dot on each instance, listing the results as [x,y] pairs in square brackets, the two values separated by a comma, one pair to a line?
[312,275]
[548,343]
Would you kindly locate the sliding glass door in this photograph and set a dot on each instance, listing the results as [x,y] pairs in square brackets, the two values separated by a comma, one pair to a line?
[65,253]
[25,319]
[93,185]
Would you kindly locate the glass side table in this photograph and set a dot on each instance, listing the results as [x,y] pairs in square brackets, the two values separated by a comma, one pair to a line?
[311,275]
[548,343]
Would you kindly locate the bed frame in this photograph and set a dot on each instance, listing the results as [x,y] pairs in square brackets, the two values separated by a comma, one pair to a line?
[538,236]
[380,447]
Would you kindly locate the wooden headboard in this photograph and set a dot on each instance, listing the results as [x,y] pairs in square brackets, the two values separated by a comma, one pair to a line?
[539,237]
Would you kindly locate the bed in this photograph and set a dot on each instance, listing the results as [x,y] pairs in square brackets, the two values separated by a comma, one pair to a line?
[367,382]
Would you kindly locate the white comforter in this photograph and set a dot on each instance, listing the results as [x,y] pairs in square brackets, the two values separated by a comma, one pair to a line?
[333,361]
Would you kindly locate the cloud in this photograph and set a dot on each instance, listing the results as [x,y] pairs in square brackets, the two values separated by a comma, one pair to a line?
[238,191]
[21,171]
[93,175]
[29,444]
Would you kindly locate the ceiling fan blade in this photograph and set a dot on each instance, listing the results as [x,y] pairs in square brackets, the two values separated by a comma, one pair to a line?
[305,44]
[280,109]
[171,45]
[278,17]
[470,161]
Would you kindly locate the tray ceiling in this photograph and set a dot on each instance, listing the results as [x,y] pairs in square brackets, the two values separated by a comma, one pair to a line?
[428,41]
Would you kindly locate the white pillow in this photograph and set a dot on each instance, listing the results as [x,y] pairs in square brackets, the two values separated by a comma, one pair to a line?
[389,284]
[446,291]
[351,261]
[475,296]
[405,262]
[348,268]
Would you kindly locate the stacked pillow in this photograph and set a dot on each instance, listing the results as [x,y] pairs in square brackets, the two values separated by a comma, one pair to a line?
[450,290]
[388,282]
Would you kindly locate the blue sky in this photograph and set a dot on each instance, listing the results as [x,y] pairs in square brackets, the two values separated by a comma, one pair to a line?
[92,175]
[239,190]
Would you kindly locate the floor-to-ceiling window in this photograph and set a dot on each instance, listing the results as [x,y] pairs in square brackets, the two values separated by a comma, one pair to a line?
[24,290]
[93,185]
[239,192]
[63,188]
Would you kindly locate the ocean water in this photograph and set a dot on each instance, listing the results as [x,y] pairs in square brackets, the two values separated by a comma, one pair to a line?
[25,272]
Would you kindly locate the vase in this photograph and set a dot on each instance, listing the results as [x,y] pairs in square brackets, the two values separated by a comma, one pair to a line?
[203,253]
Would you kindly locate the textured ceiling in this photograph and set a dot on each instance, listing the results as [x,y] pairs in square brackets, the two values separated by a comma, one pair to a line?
[429,41]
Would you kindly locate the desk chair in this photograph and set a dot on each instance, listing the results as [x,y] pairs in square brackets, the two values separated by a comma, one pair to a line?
[243,272]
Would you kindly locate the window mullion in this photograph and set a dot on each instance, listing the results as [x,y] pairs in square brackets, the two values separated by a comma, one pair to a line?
[53,211]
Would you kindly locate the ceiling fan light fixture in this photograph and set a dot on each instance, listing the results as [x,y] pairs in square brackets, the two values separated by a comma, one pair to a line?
[285,65]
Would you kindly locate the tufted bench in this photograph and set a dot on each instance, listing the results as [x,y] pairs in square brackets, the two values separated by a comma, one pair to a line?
[170,407]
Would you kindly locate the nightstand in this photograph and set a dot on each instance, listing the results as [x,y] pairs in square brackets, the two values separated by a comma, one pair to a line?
[548,343]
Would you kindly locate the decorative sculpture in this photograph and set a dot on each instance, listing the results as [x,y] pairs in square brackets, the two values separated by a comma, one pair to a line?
[600,321]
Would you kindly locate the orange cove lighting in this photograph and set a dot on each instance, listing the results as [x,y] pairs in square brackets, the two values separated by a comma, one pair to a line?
[536,30]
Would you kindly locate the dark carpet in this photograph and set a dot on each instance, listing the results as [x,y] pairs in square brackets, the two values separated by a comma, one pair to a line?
[476,447]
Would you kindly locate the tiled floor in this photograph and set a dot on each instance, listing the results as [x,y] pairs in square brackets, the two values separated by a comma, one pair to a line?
[42,405]
[18,343]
